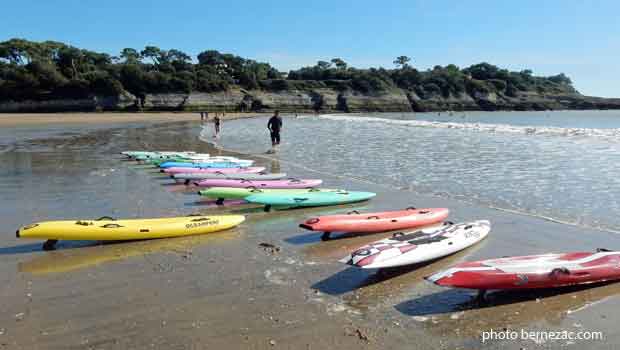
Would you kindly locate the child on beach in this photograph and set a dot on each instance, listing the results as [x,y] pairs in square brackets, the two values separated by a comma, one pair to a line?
[204,116]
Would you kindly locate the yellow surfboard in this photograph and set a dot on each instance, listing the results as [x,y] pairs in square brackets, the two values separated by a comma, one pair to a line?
[108,229]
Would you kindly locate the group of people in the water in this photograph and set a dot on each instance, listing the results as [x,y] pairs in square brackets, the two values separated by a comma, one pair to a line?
[274,125]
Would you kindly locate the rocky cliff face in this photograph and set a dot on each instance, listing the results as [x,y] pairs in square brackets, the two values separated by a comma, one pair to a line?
[125,101]
[324,100]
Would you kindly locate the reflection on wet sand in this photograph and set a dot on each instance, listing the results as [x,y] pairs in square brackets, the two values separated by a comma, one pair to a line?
[275,165]
[457,309]
[386,284]
[299,211]
[371,286]
[74,259]
[207,203]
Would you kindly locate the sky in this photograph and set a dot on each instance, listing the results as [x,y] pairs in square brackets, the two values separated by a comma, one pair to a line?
[578,38]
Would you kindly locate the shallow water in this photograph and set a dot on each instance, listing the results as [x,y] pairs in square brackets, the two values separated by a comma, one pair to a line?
[557,165]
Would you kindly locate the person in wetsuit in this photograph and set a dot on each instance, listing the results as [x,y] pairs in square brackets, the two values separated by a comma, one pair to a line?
[274,126]
[216,123]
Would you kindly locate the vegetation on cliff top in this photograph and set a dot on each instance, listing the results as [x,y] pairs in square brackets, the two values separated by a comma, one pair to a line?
[53,70]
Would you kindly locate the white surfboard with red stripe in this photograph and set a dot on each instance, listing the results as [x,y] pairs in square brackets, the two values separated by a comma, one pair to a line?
[533,271]
[419,246]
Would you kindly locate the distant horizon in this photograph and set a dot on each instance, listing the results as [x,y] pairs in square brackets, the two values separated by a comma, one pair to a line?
[548,37]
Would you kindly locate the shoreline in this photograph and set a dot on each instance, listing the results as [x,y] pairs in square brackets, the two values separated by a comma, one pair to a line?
[111,117]
[24,119]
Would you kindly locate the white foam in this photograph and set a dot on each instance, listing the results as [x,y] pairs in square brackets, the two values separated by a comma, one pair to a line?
[608,134]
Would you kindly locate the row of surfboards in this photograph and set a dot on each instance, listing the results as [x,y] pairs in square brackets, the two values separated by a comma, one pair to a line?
[443,238]
[242,181]
[422,234]
[403,248]
[232,179]
[407,248]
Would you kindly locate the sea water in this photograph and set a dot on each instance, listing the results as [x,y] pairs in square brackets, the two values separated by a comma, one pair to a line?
[562,165]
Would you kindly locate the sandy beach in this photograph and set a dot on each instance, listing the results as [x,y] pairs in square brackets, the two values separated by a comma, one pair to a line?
[226,290]
[34,119]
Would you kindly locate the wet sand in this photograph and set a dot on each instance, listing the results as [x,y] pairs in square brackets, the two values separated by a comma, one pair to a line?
[224,290]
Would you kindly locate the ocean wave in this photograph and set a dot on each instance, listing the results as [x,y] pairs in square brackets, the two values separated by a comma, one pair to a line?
[607,134]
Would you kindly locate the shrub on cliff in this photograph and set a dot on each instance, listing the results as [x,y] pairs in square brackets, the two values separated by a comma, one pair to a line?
[49,69]
[101,83]
[499,85]
[475,86]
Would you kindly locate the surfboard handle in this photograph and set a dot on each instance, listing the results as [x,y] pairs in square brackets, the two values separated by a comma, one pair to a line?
[201,219]
[50,244]
[559,270]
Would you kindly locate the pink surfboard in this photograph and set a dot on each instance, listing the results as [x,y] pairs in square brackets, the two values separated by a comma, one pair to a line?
[282,184]
[182,170]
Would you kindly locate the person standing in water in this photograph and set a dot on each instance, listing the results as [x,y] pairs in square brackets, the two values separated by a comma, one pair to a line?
[275,125]
[216,124]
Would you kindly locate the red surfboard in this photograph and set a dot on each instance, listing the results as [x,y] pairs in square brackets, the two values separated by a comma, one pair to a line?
[533,271]
[376,222]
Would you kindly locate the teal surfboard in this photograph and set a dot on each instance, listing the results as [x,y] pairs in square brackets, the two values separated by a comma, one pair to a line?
[241,193]
[310,199]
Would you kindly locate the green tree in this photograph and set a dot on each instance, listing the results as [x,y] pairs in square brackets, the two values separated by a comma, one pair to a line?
[339,63]
[210,58]
[560,79]
[49,78]
[323,65]
[402,61]
[69,61]
[18,51]
[153,53]
[131,56]
[101,83]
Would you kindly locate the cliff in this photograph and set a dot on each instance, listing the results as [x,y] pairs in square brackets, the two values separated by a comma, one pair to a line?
[320,99]
[51,76]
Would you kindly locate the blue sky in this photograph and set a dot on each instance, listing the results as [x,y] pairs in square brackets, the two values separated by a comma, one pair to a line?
[579,38]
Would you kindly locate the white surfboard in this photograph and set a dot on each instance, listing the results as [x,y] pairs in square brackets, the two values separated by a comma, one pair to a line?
[419,246]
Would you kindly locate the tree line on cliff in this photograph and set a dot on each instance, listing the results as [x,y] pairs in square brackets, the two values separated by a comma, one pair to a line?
[53,70]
